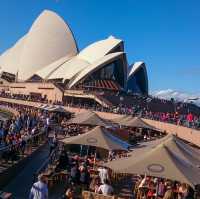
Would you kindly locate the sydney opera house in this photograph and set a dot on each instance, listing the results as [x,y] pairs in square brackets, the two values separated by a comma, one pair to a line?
[47,62]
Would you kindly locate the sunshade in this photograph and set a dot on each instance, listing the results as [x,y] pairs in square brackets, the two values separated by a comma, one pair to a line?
[176,145]
[121,119]
[179,147]
[132,122]
[138,123]
[159,162]
[98,137]
[89,118]
[42,106]
[52,108]
[56,109]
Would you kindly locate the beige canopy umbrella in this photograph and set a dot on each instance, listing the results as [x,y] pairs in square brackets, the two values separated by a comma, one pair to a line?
[121,119]
[138,123]
[174,144]
[89,118]
[159,162]
[98,137]
[179,147]
[132,122]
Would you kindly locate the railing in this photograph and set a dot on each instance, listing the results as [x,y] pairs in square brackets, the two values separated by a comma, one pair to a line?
[9,110]
[16,152]
[50,160]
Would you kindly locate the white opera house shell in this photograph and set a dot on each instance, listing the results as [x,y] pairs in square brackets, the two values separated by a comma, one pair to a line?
[49,53]
[137,81]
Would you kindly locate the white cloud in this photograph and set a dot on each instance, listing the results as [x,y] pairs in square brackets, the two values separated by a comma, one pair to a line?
[177,95]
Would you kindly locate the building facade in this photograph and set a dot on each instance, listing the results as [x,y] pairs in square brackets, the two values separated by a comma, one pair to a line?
[48,55]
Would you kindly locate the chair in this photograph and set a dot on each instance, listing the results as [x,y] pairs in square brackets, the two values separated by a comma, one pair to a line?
[92,195]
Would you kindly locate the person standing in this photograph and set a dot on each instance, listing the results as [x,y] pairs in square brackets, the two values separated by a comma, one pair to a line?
[106,189]
[39,189]
[103,174]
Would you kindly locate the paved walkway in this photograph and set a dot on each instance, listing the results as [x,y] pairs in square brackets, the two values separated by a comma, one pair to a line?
[21,184]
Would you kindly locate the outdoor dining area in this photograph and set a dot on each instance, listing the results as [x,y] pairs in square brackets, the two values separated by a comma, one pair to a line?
[127,128]
[161,167]
[101,146]
[169,162]
[81,123]
[135,129]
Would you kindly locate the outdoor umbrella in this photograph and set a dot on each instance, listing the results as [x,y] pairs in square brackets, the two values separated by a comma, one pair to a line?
[138,123]
[42,106]
[89,118]
[98,137]
[176,145]
[181,148]
[121,119]
[132,122]
[159,162]
[54,108]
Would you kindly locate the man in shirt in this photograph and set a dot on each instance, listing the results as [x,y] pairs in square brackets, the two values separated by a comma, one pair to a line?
[103,174]
[39,189]
[105,188]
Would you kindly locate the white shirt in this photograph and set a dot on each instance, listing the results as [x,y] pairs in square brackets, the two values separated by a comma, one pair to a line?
[47,121]
[106,189]
[103,174]
[33,131]
[142,183]
[39,190]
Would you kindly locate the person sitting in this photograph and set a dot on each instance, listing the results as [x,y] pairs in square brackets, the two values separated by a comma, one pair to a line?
[183,191]
[86,161]
[94,185]
[69,194]
[75,174]
[63,161]
[106,188]
[84,177]
[160,188]
[169,194]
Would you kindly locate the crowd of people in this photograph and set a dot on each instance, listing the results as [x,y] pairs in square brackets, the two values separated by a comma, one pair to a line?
[81,173]
[81,176]
[151,188]
[179,114]
[20,129]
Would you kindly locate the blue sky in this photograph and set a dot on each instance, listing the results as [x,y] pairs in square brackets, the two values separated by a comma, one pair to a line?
[165,34]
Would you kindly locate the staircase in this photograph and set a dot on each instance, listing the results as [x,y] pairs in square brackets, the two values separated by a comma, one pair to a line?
[82,94]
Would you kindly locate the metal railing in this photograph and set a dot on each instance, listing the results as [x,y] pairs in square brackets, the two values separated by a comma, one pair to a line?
[16,152]
[50,160]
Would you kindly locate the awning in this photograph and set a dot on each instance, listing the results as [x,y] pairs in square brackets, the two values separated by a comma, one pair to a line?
[89,118]
[99,137]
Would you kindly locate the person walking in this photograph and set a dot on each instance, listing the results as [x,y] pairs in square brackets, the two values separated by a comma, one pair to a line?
[39,189]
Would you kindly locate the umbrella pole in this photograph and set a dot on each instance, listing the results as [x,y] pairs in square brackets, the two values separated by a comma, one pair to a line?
[81,149]
[95,156]
[88,150]
[195,193]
